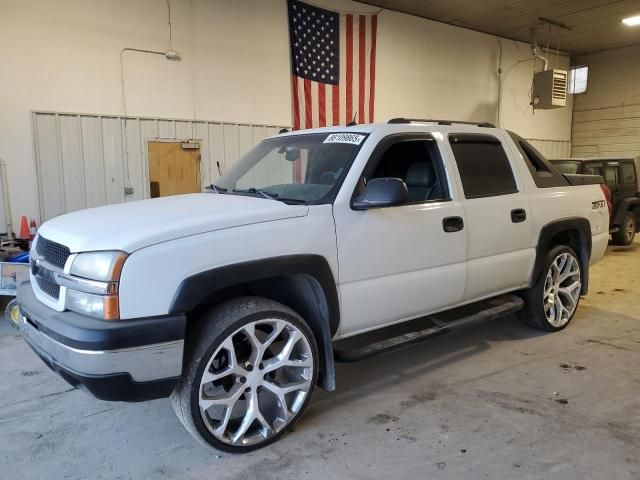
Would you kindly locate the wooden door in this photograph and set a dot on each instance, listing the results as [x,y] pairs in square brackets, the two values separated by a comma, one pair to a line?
[173,170]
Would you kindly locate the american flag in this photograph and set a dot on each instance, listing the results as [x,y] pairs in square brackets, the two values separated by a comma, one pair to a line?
[333,66]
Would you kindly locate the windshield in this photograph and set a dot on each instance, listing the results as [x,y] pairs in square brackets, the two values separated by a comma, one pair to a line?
[567,166]
[295,168]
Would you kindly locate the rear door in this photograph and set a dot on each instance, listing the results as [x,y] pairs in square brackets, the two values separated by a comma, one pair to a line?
[628,179]
[500,253]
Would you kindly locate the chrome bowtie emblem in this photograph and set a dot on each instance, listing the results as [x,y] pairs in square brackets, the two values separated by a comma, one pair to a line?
[35,264]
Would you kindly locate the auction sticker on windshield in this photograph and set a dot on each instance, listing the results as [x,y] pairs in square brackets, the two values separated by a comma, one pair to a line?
[352,138]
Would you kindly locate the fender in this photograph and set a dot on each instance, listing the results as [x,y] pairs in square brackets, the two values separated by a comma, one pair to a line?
[195,288]
[625,205]
[578,224]
[314,269]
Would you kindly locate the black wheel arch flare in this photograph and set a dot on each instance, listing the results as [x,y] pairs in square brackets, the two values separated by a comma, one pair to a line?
[626,205]
[582,244]
[308,278]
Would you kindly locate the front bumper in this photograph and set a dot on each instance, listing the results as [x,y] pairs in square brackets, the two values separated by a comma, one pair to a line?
[126,360]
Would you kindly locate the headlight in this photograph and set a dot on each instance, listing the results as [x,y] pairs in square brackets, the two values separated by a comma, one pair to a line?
[104,266]
[92,285]
[98,306]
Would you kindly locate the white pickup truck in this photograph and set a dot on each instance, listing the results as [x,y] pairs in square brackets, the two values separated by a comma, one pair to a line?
[237,302]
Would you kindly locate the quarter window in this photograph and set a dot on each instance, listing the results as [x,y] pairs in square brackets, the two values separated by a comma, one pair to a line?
[483,165]
[628,173]
[593,169]
[611,177]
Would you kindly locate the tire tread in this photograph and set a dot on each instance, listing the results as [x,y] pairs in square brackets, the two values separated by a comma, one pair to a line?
[206,331]
[530,314]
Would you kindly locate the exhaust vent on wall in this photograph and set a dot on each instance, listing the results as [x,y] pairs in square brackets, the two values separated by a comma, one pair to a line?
[550,89]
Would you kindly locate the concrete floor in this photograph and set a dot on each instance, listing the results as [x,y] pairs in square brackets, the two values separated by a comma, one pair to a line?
[499,401]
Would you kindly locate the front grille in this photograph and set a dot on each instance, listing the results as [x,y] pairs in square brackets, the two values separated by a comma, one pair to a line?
[49,287]
[52,252]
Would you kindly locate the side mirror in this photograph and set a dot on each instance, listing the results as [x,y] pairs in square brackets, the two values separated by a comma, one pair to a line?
[382,192]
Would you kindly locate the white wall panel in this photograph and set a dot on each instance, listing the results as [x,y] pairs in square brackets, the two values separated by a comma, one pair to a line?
[73,162]
[606,119]
[93,159]
[88,160]
[134,158]
[50,177]
[552,148]
[113,154]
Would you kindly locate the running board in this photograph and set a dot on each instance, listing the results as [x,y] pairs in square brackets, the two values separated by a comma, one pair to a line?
[359,347]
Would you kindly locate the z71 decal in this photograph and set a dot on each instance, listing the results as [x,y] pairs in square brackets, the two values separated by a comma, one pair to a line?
[600,204]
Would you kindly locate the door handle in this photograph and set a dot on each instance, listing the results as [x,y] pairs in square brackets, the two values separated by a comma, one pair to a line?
[518,215]
[452,224]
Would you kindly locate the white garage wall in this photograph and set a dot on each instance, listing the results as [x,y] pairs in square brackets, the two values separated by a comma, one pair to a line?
[606,119]
[64,56]
[552,148]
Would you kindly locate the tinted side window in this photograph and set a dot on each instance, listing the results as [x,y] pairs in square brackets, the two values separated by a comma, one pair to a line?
[611,177]
[416,162]
[567,167]
[628,173]
[543,172]
[593,169]
[483,165]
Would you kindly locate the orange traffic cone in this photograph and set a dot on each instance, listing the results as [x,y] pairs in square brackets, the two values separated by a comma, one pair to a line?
[24,229]
[32,229]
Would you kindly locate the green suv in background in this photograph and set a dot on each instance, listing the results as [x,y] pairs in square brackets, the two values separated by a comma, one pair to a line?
[621,176]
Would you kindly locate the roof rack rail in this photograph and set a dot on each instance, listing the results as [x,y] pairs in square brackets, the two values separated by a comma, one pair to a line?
[440,122]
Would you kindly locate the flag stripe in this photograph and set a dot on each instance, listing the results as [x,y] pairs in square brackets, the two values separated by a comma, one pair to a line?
[336,104]
[372,66]
[361,73]
[296,103]
[343,71]
[322,108]
[308,119]
[349,80]
[315,104]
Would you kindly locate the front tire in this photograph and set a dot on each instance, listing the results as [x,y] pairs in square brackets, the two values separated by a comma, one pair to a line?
[250,367]
[553,301]
[627,231]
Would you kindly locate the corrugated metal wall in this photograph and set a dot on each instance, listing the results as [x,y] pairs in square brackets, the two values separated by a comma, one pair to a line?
[606,119]
[552,148]
[86,161]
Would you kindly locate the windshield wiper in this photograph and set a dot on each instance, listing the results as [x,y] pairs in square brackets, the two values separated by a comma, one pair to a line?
[293,201]
[269,196]
[217,189]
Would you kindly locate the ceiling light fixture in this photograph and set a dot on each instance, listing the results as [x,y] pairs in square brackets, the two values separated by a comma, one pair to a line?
[632,21]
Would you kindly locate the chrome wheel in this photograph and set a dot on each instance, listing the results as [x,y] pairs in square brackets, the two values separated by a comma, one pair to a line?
[256,382]
[562,289]
[629,230]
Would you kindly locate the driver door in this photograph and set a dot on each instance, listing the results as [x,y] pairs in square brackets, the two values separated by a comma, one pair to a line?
[398,263]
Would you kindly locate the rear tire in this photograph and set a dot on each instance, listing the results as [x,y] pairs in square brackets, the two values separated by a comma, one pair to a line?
[553,301]
[250,367]
[627,231]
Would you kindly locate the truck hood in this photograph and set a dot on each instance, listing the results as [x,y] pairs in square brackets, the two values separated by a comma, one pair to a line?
[134,225]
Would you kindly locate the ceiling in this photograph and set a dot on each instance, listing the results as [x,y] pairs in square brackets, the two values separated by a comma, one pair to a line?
[595,24]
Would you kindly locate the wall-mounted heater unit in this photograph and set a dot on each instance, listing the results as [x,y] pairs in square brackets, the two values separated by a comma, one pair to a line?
[550,89]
